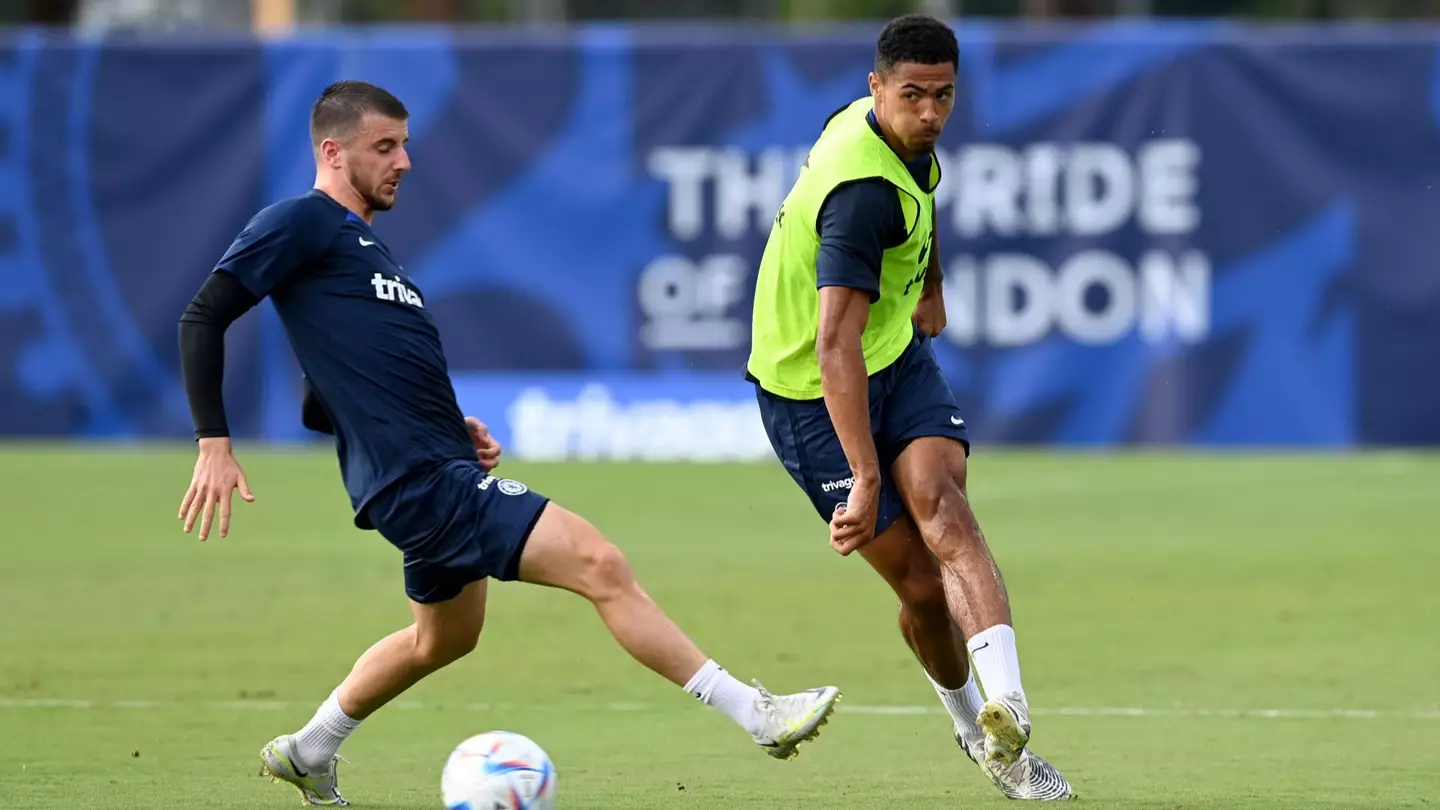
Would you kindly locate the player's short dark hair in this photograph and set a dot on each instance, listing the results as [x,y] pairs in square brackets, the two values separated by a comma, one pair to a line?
[338,111]
[917,38]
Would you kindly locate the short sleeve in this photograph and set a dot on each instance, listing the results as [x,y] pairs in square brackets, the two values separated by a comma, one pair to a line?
[278,241]
[857,223]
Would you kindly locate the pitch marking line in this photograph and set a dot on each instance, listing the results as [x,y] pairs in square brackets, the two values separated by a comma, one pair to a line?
[1074,711]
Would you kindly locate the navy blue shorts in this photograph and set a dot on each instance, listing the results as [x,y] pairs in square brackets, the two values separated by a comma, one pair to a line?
[455,524]
[908,399]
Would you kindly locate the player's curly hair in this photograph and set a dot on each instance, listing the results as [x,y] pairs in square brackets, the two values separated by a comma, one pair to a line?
[917,38]
[338,111]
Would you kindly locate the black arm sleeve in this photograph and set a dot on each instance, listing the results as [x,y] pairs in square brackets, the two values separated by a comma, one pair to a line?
[220,301]
[312,412]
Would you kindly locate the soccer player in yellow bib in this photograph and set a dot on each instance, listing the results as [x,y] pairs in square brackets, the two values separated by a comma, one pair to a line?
[846,303]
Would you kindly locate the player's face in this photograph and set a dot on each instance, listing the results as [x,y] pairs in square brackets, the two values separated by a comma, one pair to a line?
[376,159]
[914,101]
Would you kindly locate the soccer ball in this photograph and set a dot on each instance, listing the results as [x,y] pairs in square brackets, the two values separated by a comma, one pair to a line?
[498,770]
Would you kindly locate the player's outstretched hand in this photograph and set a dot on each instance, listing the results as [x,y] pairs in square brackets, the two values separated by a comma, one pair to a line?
[487,450]
[853,524]
[930,313]
[217,476]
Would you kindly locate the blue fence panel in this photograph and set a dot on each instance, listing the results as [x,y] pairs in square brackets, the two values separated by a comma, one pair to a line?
[1184,234]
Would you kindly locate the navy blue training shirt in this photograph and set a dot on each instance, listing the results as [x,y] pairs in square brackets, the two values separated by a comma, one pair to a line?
[362,335]
[857,223]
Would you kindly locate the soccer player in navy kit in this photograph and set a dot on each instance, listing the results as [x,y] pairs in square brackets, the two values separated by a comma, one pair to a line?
[416,469]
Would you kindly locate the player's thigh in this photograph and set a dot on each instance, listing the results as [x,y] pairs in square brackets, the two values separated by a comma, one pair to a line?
[930,477]
[453,625]
[918,404]
[804,439]
[899,555]
[566,551]
[455,524]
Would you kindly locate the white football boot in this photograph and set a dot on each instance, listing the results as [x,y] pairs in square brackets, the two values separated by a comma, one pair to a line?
[1006,721]
[1029,778]
[278,761]
[789,720]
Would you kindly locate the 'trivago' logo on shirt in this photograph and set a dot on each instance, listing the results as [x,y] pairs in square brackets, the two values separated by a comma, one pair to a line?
[393,289]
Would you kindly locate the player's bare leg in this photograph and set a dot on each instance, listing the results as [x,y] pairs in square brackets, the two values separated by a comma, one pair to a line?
[443,632]
[900,556]
[930,475]
[566,551]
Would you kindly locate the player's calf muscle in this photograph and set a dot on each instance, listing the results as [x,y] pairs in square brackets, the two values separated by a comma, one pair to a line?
[902,560]
[900,557]
[929,629]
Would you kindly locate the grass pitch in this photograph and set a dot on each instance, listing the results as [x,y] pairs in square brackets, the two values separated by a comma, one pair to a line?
[1211,631]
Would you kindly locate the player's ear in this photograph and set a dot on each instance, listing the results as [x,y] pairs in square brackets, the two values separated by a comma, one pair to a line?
[330,153]
[874,83]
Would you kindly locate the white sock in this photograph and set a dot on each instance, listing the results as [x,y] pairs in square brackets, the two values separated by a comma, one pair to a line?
[964,705]
[716,687]
[996,662]
[317,742]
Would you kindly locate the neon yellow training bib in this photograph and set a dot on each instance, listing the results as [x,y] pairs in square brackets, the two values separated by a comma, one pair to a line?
[786,316]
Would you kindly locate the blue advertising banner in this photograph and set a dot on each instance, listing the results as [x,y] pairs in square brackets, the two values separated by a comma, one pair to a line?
[1182,234]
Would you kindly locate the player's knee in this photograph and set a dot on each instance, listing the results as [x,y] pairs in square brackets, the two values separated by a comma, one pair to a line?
[607,573]
[922,594]
[945,519]
[436,650]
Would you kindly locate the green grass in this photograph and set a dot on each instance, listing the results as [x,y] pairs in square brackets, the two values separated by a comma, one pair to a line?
[1179,583]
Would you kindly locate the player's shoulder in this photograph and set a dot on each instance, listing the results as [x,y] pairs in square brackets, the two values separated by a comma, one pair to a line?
[310,214]
[314,208]
[869,198]
[288,232]
[862,210]
[304,226]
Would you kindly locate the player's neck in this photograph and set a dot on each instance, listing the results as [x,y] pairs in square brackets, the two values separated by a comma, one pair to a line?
[347,196]
[888,135]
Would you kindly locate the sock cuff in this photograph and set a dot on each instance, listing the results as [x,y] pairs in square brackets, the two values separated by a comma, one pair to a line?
[703,682]
[944,690]
[334,703]
[991,635]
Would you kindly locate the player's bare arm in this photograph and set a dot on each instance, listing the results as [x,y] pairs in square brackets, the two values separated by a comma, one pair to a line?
[217,474]
[930,309]
[843,314]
